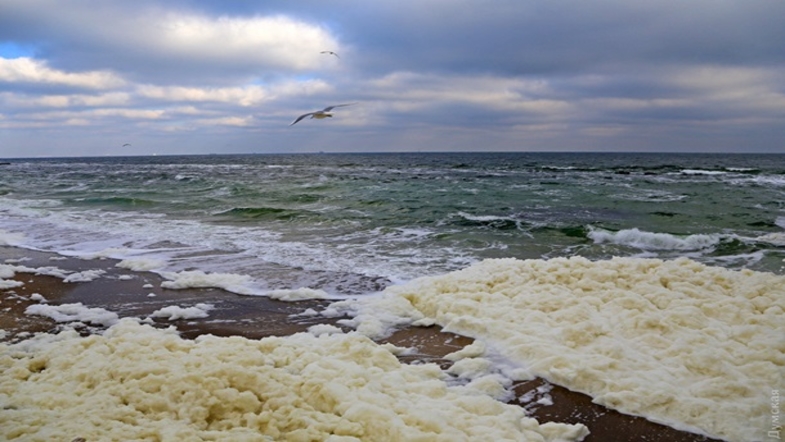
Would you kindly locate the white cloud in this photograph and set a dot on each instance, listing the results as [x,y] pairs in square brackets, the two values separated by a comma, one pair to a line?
[27,101]
[189,110]
[723,79]
[18,124]
[77,122]
[135,114]
[745,88]
[499,93]
[28,70]
[227,121]
[278,40]
[145,114]
[250,95]
[243,96]
[630,104]
[726,93]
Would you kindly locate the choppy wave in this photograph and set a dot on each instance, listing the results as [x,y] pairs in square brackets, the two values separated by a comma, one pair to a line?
[769,180]
[354,262]
[397,216]
[488,221]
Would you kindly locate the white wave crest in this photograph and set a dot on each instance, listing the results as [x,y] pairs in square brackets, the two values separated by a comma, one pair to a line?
[653,241]
[776,238]
[702,172]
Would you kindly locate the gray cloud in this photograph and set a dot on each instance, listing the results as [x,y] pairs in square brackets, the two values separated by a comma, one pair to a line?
[434,75]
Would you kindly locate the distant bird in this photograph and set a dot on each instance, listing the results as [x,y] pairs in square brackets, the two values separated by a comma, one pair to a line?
[320,114]
[126,144]
[329,53]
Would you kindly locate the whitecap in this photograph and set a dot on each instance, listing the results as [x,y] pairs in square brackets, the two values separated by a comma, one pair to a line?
[653,240]
[702,172]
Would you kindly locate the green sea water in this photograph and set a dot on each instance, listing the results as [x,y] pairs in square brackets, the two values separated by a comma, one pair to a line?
[353,223]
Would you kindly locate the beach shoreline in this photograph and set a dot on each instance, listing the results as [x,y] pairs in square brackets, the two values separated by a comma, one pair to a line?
[139,294]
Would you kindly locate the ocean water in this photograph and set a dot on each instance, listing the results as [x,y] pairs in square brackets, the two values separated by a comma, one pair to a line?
[351,224]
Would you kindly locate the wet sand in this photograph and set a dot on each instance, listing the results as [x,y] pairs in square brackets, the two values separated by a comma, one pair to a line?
[129,294]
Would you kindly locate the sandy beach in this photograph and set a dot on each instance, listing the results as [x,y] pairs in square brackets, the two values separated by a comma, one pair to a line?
[139,294]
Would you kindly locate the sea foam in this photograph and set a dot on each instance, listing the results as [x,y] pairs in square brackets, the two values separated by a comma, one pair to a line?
[136,382]
[72,313]
[175,312]
[678,342]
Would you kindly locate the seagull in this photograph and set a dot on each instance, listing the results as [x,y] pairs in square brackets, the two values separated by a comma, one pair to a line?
[320,114]
[329,53]
[126,144]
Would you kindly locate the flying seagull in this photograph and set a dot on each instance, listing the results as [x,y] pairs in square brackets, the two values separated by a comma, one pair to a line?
[320,114]
[329,53]
[126,144]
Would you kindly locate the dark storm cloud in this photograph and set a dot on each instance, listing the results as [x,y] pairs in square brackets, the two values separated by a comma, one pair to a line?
[537,38]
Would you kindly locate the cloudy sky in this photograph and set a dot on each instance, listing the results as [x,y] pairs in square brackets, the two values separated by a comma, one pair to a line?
[85,77]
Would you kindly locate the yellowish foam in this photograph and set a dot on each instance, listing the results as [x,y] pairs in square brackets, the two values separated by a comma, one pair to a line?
[140,383]
[678,342]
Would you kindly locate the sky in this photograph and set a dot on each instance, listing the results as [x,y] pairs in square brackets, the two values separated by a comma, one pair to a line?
[86,77]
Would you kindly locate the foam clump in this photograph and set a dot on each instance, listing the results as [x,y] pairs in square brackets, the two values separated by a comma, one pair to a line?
[692,346]
[175,312]
[140,264]
[136,382]
[74,312]
[6,273]
[299,294]
[85,276]
[199,279]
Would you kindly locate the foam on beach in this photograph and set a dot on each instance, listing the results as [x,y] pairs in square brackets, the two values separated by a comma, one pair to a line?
[175,312]
[236,283]
[695,347]
[9,270]
[137,382]
[198,278]
[73,313]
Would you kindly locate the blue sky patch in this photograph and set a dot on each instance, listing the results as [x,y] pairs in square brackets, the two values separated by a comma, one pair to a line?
[10,49]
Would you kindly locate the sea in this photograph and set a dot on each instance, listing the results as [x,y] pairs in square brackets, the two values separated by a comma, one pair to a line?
[352,224]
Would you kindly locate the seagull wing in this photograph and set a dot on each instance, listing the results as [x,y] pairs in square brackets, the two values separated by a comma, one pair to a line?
[300,118]
[329,108]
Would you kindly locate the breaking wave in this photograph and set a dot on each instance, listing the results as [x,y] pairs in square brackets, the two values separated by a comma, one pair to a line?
[654,241]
